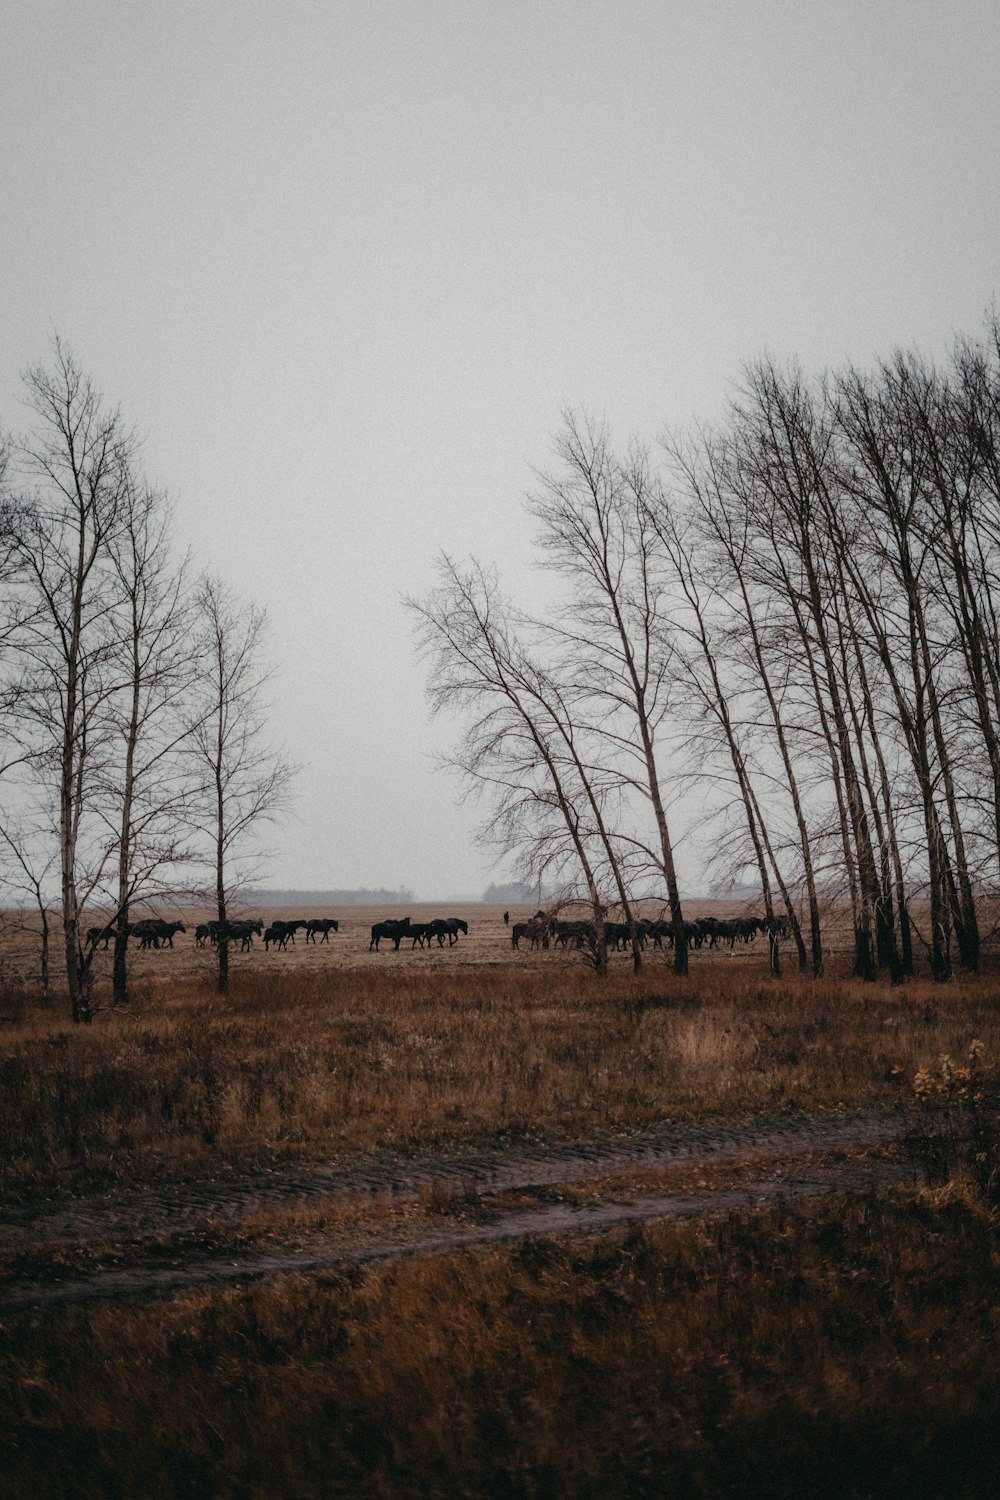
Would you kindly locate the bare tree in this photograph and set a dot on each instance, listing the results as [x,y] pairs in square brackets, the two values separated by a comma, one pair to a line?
[885,474]
[965,501]
[520,741]
[791,436]
[76,462]
[29,856]
[705,675]
[148,789]
[719,514]
[819,614]
[596,529]
[241,781]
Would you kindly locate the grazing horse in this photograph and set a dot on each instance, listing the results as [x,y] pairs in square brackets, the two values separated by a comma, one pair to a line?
[325,925]
[535,932]
[243,933]
[390,929]
[234,932]
[147,931]
[449,927]
[95,934]
[617,935]
[694,934]
[580,934]
[169,930]
[291,928]
[152,931]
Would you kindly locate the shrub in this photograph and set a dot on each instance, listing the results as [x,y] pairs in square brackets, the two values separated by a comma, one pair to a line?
[956,1130]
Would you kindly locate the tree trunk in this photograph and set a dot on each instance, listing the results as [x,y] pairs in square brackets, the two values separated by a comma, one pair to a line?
[815,930]
[222,945]
[44,956]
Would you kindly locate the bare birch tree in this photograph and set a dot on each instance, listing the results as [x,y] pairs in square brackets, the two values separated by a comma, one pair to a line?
[887,475]
[241,781]
[719,697]
[76,465]
[819,614]
[791,437]
[149,791]
[713,478]
[27,857]
[596,530]
[520,741]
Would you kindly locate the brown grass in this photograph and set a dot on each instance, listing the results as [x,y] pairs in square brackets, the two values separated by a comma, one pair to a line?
[487,943]
[328,1059]
[844,1350]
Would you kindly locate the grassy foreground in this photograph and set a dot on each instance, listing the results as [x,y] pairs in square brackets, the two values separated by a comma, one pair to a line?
[846,1349]
[328,1063]
[838,1349]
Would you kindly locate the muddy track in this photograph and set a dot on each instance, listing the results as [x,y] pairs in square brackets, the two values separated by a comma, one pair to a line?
[776,1158]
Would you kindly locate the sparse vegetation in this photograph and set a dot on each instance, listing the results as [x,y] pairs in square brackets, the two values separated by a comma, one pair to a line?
[299,1062]
[956,1131]
[843,1348]
[841,1351]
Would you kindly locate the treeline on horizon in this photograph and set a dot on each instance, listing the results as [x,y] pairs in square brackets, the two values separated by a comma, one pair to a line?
[134,759]
[378,896]
[795,615]
[513,892]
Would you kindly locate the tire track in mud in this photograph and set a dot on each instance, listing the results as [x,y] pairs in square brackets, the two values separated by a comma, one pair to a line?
[137,1219]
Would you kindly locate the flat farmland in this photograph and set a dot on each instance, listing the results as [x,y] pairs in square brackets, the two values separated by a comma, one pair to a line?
[382,1223]
[488,943]
[330,1052]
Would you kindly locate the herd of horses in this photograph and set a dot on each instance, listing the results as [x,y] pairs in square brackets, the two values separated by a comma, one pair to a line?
[277,934]
[154,932]
[544,931]
[541,931]
[421,934]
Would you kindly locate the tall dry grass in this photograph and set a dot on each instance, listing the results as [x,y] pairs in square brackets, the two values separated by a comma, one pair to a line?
[846,1350]
[334,1061]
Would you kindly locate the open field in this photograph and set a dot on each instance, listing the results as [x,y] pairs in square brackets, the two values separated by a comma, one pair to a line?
[331,1051]
[488,943]
[362,1222]
[840,1350]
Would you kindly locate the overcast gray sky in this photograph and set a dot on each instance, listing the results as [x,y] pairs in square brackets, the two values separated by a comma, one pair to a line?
[344,264]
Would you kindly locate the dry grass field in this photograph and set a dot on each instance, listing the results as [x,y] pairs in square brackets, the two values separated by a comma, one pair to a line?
[840,1347]
[329,1049]
[488,943]
[841,1351]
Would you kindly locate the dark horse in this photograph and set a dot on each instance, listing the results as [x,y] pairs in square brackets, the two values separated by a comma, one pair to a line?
[393,929]
[448,927]
[325,925]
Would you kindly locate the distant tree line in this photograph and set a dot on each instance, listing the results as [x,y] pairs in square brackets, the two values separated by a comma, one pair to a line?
[360,896]
[796,611]
[515,891]
[133,746]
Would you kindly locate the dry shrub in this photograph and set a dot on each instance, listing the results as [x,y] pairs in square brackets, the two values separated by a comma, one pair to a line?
[955,1134]
[840,1350]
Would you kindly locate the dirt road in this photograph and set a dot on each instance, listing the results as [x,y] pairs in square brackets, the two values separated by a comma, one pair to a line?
[139,1244]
